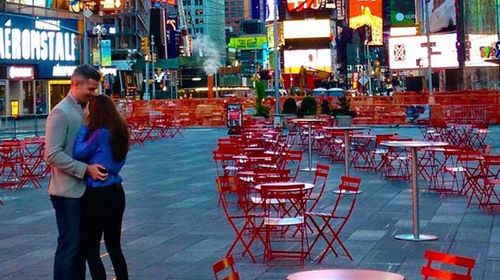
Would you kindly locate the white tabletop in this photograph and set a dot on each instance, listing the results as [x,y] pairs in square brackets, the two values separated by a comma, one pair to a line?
[370,136]
[307,186]
[345,127]
[413,144]
[345,274]
[307,120]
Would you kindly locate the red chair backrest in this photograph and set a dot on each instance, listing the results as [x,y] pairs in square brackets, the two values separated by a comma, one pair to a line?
[349,184]
[450,260]
[222,265]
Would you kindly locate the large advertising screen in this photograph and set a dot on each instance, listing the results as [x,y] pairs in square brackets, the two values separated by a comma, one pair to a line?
[309,28]
[304,5]
[363,12]
[248,43]
[402,13]
[482,50]
[407,52]
[315,58]
[442,15]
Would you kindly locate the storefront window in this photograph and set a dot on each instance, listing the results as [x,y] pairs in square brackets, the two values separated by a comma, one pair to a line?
[41,97]
[58,90]
[29,95]
[2,98]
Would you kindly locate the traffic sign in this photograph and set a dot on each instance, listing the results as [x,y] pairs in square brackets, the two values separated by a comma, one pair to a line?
[430,44]
[87,12]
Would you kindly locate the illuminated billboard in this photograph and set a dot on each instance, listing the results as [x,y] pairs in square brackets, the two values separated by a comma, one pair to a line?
[442,15]
[269,16]
[362,12]
[248,43]
[303,5]
[309,28]
[482,50]
[407,52]
[402,13]
[110,5]
[46,42]
[315,58]
[270,35]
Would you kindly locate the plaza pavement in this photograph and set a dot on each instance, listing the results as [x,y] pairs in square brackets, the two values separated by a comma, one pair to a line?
[173,228]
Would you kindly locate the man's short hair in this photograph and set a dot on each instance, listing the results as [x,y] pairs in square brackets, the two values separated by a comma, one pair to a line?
[87,71]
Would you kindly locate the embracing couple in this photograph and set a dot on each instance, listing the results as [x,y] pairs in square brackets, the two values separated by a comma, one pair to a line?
[87,142]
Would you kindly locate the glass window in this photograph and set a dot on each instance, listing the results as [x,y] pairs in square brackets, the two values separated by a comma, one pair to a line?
[29,96]
[41,97]
[2,97]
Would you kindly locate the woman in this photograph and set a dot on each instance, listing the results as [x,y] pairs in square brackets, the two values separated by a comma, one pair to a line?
[104,139]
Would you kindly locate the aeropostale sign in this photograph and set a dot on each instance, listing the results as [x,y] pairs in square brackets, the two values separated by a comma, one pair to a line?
[45,42]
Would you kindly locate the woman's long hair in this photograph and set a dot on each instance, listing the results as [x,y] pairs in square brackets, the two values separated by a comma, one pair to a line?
[103,114]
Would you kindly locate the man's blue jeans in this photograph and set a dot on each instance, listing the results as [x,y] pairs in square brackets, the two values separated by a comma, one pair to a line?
[69,262]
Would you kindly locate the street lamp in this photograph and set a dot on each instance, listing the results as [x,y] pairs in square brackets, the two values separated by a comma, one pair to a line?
[277,69]
[99,31]
[429,46]
[153,65]
[83,6]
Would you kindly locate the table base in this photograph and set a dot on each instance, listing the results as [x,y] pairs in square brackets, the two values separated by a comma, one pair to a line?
[411,237]
[347,192]
[307,169]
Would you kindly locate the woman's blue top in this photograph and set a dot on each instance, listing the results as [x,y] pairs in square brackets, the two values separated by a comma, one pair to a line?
[97,149]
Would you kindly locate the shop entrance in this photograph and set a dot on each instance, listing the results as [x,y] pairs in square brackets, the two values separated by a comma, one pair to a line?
[57,91]
[3,90]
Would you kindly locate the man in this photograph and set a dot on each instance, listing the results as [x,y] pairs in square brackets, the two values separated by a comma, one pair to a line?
[66,187]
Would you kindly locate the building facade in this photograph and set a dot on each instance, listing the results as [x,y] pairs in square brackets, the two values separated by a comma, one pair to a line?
[39,49]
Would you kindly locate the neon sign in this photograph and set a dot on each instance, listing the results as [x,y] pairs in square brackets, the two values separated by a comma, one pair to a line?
[302,5]
[21,73]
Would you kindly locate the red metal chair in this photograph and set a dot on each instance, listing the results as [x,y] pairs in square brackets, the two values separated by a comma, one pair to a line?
[294,157]
[330,225]
[10,170]
[319,181]
[225,163]
[490,193]
[449,260]
[226,267]
[241,221]
[290,212]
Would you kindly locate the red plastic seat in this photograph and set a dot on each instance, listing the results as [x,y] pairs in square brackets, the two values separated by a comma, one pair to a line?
[463,263]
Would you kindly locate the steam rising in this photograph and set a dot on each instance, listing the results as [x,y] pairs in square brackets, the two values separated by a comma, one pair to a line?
[207,50]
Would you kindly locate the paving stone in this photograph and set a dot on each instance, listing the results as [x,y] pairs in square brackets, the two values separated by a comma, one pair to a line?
[173,228]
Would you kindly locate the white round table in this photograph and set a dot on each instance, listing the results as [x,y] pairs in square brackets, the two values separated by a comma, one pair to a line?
[345,274]
[346,130]
[414,146]
[347,165]
[309,153]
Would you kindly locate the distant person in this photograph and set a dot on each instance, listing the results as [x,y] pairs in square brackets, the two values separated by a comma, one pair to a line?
[66,185]
[104,139]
